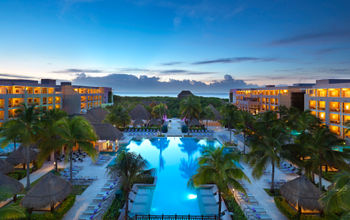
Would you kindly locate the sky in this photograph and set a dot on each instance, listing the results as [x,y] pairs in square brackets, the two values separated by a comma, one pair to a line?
[154,45]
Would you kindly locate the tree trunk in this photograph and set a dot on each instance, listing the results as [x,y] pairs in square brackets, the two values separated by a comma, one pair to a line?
[126,206]
[313,177]
[14,144]
[28,167]
[229,128]
[272,190]
[55,159]
[219,211]
[244,137]
[320,178]
[71,166]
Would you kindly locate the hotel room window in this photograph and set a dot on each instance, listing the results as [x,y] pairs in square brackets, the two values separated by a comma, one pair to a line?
[322,92]
[335,129]
[346,107]
[333,92]
[334,118]
[346,93]
[322,116]
[312,104]
[334,106]
[321,105]
[2,103]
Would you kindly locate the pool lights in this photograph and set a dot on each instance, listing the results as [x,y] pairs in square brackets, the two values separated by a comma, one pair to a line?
[192,196]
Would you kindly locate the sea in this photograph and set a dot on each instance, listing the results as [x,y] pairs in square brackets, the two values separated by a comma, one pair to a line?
[216,95]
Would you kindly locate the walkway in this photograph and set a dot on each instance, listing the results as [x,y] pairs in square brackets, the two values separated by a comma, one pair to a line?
[174,127]
[47,167]
[84,200]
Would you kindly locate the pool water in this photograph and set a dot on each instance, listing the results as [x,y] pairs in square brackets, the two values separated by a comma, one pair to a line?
[175,161]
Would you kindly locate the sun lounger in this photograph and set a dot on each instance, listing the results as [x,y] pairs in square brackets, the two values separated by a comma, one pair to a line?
[92,211]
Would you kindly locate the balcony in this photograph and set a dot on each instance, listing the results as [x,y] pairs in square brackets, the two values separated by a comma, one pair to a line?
[346,108]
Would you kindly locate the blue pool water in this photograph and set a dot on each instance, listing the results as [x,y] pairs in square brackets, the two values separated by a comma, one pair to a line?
[175,161]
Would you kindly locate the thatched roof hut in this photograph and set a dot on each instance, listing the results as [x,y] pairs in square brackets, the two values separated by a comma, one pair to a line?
[19,156]
[5,167]
[138,122]
[96,115]
[155,122]
[216,112]
[139,112]
[300,192]
[49,191]
[194,122]
[184,94]
[107,131]
[10,184]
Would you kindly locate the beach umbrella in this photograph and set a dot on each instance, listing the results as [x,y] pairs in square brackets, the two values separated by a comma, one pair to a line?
[216,113]
[10,184]
[19,156]
[302,194]
[50,190]
[138,122]
[194,122]
[5,167]
[139,113]
[96,115]
[107,131]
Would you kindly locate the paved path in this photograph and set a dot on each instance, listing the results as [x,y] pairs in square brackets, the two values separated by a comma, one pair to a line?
[47,167]
[174,127]
[84,200]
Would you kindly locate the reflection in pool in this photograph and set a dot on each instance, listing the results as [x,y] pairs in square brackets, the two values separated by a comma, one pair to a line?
[175,161]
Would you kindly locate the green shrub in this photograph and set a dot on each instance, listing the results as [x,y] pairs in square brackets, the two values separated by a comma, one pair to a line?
[184,128]
[164,128]
[113,210]
[233,207]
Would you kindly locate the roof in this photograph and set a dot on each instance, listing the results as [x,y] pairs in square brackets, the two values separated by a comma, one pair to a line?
[5,167]
[107,131]
[139,112]
[301,191]
[216,112]
[138,122]
[10,184]
[48,191]
[19,156]
[155,122]
[184,93]
[96,115]
[194,122]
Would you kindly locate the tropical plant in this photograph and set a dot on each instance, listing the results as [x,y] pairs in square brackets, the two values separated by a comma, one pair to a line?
[48,139]
[158,111]
[25,125]
[218,166]
[207,114]
[229,117]
[244,125]
[130,168]
[190,108]
[336,200]
[76,133]
[266,144]
[11,211]
[118,116]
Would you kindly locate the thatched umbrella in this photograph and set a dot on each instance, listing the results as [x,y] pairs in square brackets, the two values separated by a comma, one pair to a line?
[194,122]
[216,113]
[5,167]
[96,115]
[10,185]
[19,156]
[139,112]
[155,122]
[107,132]
[301,193]
[50,190]
[138,122]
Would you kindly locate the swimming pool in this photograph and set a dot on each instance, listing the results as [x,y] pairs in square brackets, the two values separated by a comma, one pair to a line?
[175,161]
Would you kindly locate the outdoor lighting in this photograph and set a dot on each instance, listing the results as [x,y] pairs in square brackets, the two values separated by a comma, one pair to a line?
[192,196]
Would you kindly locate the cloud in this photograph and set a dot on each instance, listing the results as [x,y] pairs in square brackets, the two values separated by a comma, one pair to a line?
[235,60]
[134,70]
[329,50]
[134,84]
[185,72]
[335,35]
[171,63]
[16,76]
[78,71]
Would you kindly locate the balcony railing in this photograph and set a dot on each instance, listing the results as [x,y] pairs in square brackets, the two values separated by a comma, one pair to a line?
[335,121]
[334,109]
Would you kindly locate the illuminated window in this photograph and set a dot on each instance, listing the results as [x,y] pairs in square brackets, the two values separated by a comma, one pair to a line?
[312,104]
[272,107]
[346,107]
[313,113]
[322,116]
[2,115]
[335,129]
[57,99]
[322,92]
[272,101]
[346,92]
[333,92]
[346,118]
[57,106]
[311,92]
[334,118]
[334,106]
[321,105]
[2,103]
[51,90]
[267,100]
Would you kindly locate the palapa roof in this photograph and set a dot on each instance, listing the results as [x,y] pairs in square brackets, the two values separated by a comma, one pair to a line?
[216,112]
[300,191]
[139,112]
[10,184]
[19,156]
[48,191]
[138,122]
[194,122]
[155,122]
[184,94]
[5,167]
[96,115]
[106,131]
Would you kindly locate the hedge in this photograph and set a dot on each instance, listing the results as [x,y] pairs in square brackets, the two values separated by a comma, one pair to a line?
[233,207]
[113,210]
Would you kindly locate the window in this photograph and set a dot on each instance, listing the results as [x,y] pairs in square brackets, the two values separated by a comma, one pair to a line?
[322,116]
[334,118]
[346,108]
[335,129]
[334,106]
[312,104]
[322,92]
[321,105]
[333,92]
[346,92]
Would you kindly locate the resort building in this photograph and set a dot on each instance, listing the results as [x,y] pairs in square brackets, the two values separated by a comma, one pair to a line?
[257,100]
[329,100]
[14,92]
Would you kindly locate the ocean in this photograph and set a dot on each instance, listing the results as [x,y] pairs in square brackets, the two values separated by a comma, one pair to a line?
[216,95]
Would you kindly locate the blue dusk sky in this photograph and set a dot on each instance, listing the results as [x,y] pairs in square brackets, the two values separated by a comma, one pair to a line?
[154,45]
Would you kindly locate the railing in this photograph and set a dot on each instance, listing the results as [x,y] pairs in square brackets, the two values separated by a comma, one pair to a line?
[175,217]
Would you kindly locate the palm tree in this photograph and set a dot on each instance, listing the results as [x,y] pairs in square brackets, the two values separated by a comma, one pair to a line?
[6,131]
[266,144]
[25,125]
[336,201]
[207,114]
[158,111]
[244,125]
[129,167]
[229,117]
[118,116]
[76,133]
[319,144]
[190,108]
[49,141]
[220,168]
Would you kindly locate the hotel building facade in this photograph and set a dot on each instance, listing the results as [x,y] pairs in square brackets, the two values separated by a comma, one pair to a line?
[47,95]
